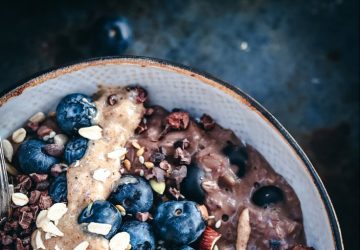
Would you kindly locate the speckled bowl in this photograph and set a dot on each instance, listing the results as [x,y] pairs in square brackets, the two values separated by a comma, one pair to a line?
[173,86]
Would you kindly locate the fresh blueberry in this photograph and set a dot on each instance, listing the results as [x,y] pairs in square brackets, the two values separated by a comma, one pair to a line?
[75,149]
[58,189]
[33,159]
[185,248]
[191,185]
[112,35]
[267,195]
[102,212]
[237,156]
[133,193]
[141,235]
[75,111]
[178,222]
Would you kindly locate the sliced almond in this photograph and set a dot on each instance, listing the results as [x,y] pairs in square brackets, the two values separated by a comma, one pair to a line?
[121,209]
[61,139]
[101,174]
[91,133]
[117,153]
[82,246]
[50,227]
[99,228]
[141,159]
[57,211]
[38,240]
[19,135]
[243,230]
[48,236]
[120,241]
[158,187]
[8,150]
[38,117]
[19,199]
[42,218]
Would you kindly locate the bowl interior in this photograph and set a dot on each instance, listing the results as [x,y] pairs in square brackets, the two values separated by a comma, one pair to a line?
[174,87]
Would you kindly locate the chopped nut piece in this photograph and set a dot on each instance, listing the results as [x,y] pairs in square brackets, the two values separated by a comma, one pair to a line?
[82,246]
[38,240]
[135,144]
[140,152]
[121,210]
[207,122]
[218,224]
[176,193]
[158,187]
[178,120]
[50,227]
[149,164]
[42,219]
[11,169]
[204,212]
[57,211]
[61,139]
[19,199]
[243,230]
[91,133]
[141,159]
[101,174]
[8,150]
[38,117]
[127,164]
[117,153]
[120,241]
[19,135]
[99,228]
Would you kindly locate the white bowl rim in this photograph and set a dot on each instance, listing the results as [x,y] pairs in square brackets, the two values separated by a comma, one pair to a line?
[38,78]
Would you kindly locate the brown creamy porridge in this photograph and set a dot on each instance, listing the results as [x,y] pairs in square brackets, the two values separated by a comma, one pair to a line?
[223,192]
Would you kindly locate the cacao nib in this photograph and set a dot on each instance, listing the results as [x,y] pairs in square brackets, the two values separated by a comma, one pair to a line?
[45,202]
[57,169]
[183,156]
[6,240]
[42,185]
[157,157]
[207,122]
[54,149]
[38,177]
[159,174]
[178,120]
[176,193]
[142,127]
[34,196]
[183,144]
[25,220]
[178,175]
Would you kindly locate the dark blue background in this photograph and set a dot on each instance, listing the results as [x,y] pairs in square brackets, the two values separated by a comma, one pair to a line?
[300,59]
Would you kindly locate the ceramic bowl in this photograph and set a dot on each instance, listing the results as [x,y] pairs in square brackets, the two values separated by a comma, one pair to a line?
[173,86]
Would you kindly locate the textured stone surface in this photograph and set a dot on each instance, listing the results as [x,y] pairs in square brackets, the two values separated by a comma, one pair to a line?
[300,60]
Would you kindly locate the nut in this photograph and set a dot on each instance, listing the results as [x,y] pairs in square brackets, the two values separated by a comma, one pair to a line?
[8,150]
[158,187]
[57,211]
[99,228]
[243,230]
[38,240]
[209,239]
[120,241]
[127,164]
[82,246]
[218,224]
[42,219]
[121,209]
[101,174]
[11,169]
[19,199]
[204,212]
[19,135]
[141,159]
[149,164]
[140,151]
[117,153]
[135,144]
[38,117]
[91,133]
[60,139]
[50,227]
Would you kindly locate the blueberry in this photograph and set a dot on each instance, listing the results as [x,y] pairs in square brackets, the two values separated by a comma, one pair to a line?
[191,185]
[141,235]
[112,35]
[178,222]
[267,195]
[75,149]
[274,244]
[33,159]
[237,156]
[58,189]
[75,111]
[185,248]
[133,193]
[102,212]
